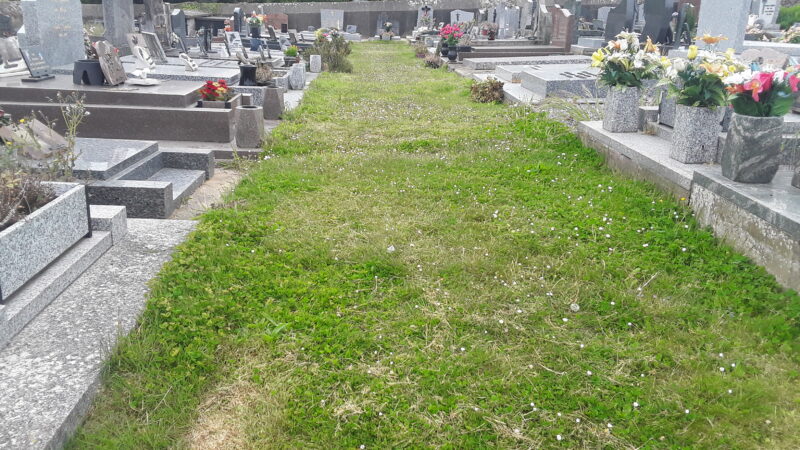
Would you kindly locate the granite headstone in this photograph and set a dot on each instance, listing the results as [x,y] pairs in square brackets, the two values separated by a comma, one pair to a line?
[118,20]
[55,29]
[619,19]
[459,16]
[178,21]
[331,18]
[657,16]
[563,28]
[156,20]
[724,17]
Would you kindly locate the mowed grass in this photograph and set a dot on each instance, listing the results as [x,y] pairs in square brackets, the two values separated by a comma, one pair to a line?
[410,269]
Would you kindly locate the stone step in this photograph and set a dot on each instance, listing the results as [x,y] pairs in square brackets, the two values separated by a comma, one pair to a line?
[101,159]
[184,182]
[22,306]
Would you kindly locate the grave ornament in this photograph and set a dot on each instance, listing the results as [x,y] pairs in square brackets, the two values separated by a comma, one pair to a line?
[37,66]
[188,62]
[110,63]
[144,65]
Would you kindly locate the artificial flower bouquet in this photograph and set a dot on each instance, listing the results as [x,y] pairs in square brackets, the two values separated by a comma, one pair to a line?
[698,80]
[450,34]
[215,91]
[624,62]
[763,93]
[254,21]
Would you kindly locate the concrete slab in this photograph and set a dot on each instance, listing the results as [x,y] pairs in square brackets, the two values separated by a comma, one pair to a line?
[491,63]
[50,371]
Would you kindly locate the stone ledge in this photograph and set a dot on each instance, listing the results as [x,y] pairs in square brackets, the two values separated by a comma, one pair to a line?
[111,218]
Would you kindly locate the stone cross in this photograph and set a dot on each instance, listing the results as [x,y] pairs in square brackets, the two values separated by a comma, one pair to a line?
[56,27]
[118,20]
[725,17]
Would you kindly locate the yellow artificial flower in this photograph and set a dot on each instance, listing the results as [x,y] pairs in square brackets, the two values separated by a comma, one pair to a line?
[716,69]
[729,53]
[692,52]
[598,57]
[21,120]
[649,47]
[711,40]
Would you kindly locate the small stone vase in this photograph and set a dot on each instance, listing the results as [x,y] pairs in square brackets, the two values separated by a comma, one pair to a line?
[622,110]
[666,109]
[696,134]
[452,54]
[315,62]
[247,75]
[249,126]
[752,149]
[273,103]
[88,72]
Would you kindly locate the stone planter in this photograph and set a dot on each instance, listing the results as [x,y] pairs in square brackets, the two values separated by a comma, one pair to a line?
[297,77]
[232,103]
[696,136]
[30,245]
[247,75]
[622,110]
[445,49]
[88,72]
[752,149]
[273,103]
[249,126]
[315,62]
[666,110]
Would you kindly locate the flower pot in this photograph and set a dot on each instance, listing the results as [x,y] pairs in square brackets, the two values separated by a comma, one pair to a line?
[452,54]
[696,134]
[622,110]
[752,149]
[247,75]
[29,245]
[666,109]
[255,32]
[231,103]
[273,103]
[445,49]
[88,72]
[249,126]
[315,63]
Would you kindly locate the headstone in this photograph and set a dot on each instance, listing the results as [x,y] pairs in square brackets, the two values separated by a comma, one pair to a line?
[156,20]
[276,20]
[383,17]
[563,28]
[36,63]
[725,17]
[239,20]
[118,20]
[657,16]
[178,20]
[424,16]
[620,18]
[110,63]
[352,29]
[768,12]
[544,28]
[459,16]
[272,34]
[284,28]
[331,18]
[154,47]
[55,29]
[602,13]
[234,41]
[315,63]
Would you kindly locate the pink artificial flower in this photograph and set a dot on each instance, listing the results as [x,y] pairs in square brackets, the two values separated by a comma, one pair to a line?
[793,82]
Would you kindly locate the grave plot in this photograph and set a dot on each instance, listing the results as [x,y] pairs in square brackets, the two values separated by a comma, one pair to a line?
[167,111]
[492,63]
[562,80]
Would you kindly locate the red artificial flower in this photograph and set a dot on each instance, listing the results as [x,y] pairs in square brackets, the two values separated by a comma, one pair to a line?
[793,82]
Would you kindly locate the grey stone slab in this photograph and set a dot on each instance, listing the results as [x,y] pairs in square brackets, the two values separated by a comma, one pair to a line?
[189,158]
[32,298]
[492,63]
[30,245]
[179,73]
[50,371]
[111,218]
[103,158]
[725,17]
[56,26]
[460,16]
[331,18]
[789,49]
[183,181]
[142,199]
[563,80]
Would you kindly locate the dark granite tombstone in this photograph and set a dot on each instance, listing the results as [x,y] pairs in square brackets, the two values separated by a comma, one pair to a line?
[284,28]
[238,20]
[619,19]
[178,19]
[657,16]
[156,20]
[272,34]
[37,66]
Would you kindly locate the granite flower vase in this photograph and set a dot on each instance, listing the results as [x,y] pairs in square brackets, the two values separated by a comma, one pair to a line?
[622,109]
[696,134]
[247,75]
[752,149]
[255,32]
[445,49]
[273,103]
[452,54]
[249,126]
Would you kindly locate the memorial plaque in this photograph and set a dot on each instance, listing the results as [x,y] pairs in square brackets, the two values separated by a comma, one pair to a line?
[155,48]
[110,63]
[36,63]
[352,29]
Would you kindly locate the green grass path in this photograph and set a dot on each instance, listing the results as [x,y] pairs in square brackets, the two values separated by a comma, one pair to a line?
[410,269]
